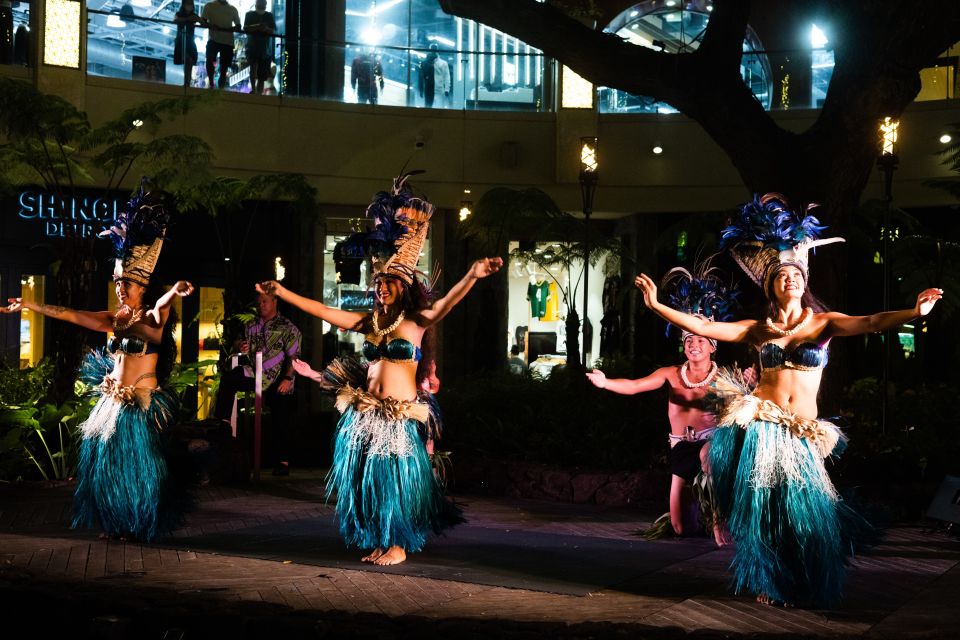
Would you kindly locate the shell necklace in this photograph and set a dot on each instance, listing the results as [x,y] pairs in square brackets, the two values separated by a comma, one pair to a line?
[702,383]
[382,332]
[804,319]
[120,325]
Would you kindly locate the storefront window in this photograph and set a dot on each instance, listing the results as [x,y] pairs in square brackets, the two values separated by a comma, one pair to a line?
[678,27]
[15,33]
[540,295]
[31,322]
[138,40]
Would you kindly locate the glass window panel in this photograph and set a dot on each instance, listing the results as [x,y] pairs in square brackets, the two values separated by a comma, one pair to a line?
[211,316]
[31,322]
[937,83]
[678,28]
[136,40]
[15,33]
[61,33]
[411,53]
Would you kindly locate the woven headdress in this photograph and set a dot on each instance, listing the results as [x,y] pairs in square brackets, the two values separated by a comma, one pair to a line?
[400,225]
[767,234]
[138,236]
[701,293]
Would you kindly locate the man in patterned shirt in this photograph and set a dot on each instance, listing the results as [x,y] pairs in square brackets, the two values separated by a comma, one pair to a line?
[279,340]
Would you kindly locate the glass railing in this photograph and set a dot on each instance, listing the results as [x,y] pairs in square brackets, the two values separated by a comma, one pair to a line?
[145,49]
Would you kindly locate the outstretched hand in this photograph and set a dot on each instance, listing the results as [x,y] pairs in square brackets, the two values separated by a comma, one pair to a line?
[598,378]
[485,267]
[648,288]
[304,369]
[926,301]
[269,288]
[16,304]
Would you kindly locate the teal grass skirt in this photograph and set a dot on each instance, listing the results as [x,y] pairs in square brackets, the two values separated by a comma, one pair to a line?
[794,535]
[124,484]
[385,487]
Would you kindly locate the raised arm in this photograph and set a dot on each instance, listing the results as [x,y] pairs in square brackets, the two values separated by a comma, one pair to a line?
[839,324]
[723,331]
[337,317]
[479,269]
[95,320]
[628,387]
[161,310]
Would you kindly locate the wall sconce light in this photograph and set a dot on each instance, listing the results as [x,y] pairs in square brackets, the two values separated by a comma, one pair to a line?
[466,208]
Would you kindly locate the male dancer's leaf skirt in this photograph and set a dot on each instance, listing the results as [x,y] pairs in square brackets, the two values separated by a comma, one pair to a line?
[124,485]
[794,534]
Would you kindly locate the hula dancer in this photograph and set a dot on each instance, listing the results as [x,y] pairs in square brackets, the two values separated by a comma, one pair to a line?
[388,498]
[793,533]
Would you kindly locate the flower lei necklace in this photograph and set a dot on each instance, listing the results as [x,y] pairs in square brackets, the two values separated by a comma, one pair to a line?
[702,383]
[120,325]
[804,319]
[382,332]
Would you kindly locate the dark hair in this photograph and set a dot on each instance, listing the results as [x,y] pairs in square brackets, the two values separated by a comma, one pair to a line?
[167,358]
[427,355]
[515,350]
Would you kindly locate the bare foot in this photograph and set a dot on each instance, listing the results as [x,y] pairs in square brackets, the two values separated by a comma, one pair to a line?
[770,602]
[376,553]
[393,555]
[721,536]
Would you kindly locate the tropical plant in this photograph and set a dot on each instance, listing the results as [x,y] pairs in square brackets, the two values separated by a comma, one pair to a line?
[37,435]
[51,143]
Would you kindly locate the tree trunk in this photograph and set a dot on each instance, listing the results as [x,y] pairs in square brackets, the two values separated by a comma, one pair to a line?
[74,284]
[573,338]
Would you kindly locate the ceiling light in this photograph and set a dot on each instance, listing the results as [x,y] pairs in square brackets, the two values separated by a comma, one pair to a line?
[657,150]
[945,138]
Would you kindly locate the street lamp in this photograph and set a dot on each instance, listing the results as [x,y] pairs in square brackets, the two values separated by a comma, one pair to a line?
[887,162]
[589,165]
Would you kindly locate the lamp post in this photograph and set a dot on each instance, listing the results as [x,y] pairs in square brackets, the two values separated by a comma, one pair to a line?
[588,186]
[887,162]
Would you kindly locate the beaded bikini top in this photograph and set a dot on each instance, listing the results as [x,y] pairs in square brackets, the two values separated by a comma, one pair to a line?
[395,350]
[131,345]
[805,356]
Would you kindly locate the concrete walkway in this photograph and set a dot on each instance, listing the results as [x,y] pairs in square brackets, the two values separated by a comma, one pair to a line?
[266,559]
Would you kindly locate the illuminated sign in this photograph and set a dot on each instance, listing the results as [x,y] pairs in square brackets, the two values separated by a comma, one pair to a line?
[62,217]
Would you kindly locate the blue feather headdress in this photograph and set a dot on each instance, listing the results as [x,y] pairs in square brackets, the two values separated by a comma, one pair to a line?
[397,225]
[137,236]
[701,293]
[768,234]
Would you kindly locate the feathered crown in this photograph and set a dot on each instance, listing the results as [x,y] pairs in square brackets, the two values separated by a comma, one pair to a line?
[701,293]
[767,234]
[138,236]
[400,224]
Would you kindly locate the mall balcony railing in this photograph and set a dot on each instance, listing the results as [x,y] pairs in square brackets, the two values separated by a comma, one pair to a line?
[142,49]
